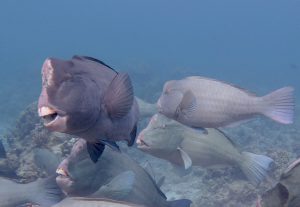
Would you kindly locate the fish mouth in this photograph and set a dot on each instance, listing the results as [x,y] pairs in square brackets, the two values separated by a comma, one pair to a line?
[141,144]
[48,114]
[61,172]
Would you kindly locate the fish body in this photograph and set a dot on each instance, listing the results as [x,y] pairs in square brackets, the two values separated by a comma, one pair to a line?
[93,202]
[185,146]
[44,192]
[85,97]
[286,192]
[202,102]
[79,176]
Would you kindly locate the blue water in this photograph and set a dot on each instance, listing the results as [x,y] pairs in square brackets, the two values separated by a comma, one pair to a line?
[252,43]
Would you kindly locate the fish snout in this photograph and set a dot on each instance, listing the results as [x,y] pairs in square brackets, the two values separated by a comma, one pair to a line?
[140,138]
[159,107]
[142,144]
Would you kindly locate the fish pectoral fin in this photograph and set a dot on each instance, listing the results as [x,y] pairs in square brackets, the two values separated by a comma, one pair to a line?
[118,188]
[95,150]
[187,161]
[132,136]
[160,181]
[119,96]
[187,105]
[113,145]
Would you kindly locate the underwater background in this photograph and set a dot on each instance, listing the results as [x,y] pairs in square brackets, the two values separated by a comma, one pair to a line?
[253,44]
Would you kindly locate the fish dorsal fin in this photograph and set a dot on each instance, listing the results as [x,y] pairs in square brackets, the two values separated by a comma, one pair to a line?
[94,60]
[149,169]
[119,96]
[210,130]
[155,185]
[292,166]
[160,181]
[187,105]
[118,188]
[187,161]
[224,82]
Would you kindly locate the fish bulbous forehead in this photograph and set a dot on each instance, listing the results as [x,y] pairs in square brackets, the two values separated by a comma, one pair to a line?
[53,64]
[160,120]
[169,85]
[55,70]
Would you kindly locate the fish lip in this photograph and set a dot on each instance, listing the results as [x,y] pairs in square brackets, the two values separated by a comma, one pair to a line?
[143,145]
[48,114]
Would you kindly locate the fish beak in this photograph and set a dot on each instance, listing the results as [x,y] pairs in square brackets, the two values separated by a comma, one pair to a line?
[53,119]
[141,143]
[48,114]
[44,111]
[159,108]
[62,172]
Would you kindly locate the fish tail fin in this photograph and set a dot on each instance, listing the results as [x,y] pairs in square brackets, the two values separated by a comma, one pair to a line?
[48,192]
[280,105]
[180,203]
[255,167]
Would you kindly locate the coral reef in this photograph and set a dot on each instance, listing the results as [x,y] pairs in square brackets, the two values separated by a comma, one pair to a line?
[224,187]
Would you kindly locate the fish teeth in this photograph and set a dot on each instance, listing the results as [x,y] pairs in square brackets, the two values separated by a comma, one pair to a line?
[44,111]
[61,171]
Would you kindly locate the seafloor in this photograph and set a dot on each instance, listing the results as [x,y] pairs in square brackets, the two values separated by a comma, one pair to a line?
[216,187]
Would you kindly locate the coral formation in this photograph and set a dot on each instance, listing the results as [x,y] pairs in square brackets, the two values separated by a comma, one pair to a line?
[224,187]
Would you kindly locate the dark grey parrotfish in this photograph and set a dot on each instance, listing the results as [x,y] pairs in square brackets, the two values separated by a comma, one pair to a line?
[80,177]
[87,98]
[44,191]
[286,193]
